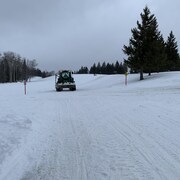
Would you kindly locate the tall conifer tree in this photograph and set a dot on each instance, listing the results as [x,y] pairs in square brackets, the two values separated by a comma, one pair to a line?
[172,52]
[143,44]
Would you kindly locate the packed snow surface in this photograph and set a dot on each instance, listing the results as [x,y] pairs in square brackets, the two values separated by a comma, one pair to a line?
[103,131]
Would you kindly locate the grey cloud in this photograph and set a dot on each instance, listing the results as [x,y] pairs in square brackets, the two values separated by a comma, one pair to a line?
[69,33]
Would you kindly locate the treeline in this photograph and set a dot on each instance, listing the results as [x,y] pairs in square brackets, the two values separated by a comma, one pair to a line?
[14,68]
[147,51]
[104,68]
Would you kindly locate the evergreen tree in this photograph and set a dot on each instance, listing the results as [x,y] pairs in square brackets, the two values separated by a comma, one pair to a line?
[83,70]
[117,67]
[98,68]
[103,68]
[124,68]
[172,52]
[160,59]
[93,69]
[109,68]
[178,65]
[143,44]
[112,68]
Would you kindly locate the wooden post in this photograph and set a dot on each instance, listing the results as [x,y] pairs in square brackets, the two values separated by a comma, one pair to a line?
[126,74]
[25,87]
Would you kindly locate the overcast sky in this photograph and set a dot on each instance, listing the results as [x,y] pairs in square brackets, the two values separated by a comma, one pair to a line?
[67,34]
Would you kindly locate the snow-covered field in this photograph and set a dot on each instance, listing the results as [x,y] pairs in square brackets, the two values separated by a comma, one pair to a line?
[103,131]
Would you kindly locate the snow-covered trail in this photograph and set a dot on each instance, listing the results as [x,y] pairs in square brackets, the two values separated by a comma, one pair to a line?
[102,131]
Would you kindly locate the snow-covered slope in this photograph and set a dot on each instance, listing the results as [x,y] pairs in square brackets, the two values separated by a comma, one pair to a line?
[104,130]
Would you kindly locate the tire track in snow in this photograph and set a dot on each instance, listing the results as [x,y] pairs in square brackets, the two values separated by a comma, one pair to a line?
[143,143]
[64,158]
[70,155]
[143,146]
[97,142]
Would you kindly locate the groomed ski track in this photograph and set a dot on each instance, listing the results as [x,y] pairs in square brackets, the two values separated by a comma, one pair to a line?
[103,131]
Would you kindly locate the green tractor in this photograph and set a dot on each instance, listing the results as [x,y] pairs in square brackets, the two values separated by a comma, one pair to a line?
[63,80]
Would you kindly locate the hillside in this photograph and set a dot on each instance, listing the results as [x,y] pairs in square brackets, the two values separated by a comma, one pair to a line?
[104,130]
